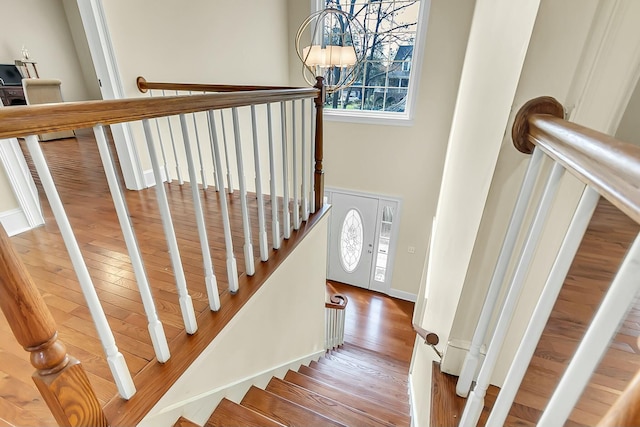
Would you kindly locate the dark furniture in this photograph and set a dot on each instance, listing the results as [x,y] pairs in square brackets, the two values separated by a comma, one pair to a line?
[11,92]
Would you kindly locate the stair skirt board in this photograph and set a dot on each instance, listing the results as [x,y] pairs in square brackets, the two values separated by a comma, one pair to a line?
[198,408]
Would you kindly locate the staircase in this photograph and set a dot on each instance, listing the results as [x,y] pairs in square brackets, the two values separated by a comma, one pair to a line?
[349,386]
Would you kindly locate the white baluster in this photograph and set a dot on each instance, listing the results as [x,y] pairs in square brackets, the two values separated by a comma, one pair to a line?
[160,142]
[262,229]
[186,305]
[326,328]
[217,183]
[286,217]
[246,224]
[475,402]
[612,311]
[305,165]
[117,364]
[540,316]
[211,283]
[156,330]
[226,154]
[470,364]
[275,223]
[203,173]
[294,153]
[232,266]
[175,152]
[312,157]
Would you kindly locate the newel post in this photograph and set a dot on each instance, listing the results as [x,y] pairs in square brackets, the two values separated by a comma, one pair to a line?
[59,377]
[318,171]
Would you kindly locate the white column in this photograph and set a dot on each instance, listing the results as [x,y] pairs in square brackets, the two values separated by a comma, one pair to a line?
[262,229]
[475,402]
[612,311]
[470,364]
[226,154]
[305,165]
[294,154]
[232,267]
[275,223]
[156,330]
[211,283]
[175,152]
[117,364]
[186,305]
[543,309]
[286,218]
[246,224]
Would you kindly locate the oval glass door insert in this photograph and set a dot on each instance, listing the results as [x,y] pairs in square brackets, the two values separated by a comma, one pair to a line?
[351,240]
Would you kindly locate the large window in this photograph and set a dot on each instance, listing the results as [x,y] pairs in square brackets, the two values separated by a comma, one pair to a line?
[385,79]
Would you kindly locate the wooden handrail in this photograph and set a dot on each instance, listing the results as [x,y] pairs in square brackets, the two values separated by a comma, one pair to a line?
[144,86]
[430,338]
[319,144]
[610,166]
[337,300]
[59,377]
[22,121]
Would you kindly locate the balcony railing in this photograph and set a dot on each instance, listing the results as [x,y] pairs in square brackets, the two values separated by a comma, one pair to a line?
[216,134]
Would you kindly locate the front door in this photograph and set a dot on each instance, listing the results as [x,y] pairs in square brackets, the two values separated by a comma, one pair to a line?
[352,238]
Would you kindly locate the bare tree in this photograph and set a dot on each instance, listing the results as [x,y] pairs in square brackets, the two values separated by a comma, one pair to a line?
[388,28]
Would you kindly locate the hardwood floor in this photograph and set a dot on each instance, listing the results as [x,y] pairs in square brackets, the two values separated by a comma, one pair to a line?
[80,181]
[608,237]
[378,323]
[599,256]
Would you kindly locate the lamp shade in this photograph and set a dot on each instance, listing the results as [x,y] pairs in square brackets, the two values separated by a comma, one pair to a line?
[314,56]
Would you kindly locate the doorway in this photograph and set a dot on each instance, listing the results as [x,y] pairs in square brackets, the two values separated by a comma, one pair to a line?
[362,236]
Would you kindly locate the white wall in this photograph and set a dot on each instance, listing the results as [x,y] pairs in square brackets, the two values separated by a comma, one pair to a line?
[238,42]
[560,31]
[596,41]
[629,129]
[282,323]
[402,161]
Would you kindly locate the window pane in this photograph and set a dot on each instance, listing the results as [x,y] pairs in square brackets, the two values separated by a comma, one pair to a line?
[385,73]
[383,244]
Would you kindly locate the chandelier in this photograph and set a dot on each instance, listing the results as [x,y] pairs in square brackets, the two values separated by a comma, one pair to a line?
[337,49]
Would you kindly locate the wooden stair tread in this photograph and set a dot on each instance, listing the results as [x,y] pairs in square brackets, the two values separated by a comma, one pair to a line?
[381,398]
[183,422]
[380,384]
[230,414]
[323,405]
[282,410]
[364,353]
[358,366]
[378,411]
[373,363]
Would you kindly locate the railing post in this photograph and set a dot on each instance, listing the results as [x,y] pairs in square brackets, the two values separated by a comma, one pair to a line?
[319,172]
[60,378]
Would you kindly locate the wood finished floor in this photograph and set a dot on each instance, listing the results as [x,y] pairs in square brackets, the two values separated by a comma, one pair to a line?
[607,239]
[79,177]
[374,322]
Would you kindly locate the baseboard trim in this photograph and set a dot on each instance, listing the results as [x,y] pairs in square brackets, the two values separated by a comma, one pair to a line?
[14,221]
[150,179]
[407,296]
[199,408]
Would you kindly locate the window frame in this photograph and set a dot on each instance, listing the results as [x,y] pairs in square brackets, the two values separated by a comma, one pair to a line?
[389,117]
